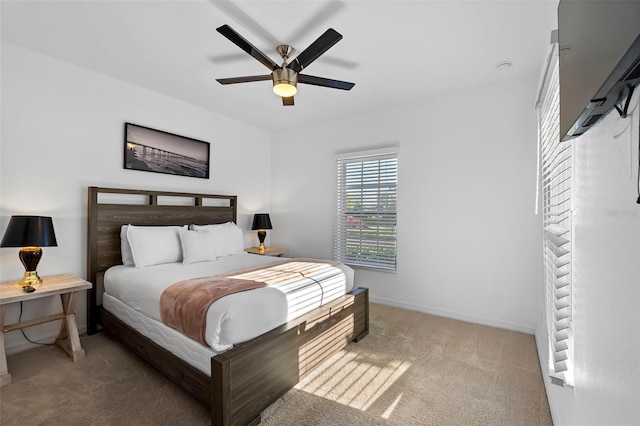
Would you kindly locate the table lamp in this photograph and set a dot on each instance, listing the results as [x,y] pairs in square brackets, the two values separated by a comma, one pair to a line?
[30,233]
[261,222]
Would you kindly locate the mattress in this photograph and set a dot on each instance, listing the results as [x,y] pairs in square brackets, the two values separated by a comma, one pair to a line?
[188,350]
[133,296]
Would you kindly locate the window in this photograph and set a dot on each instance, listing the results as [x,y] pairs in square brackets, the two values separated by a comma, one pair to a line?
[365,233]
[556,167]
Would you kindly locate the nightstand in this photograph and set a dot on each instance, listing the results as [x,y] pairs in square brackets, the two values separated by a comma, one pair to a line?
[68,287]
[269,251]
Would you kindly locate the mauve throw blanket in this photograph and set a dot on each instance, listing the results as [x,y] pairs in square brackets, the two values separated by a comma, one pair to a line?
[184,305]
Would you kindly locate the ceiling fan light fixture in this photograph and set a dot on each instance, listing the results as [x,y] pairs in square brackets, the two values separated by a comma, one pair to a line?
[285,81]
[285,90]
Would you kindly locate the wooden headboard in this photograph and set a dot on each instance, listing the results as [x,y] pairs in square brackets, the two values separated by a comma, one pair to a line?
[110,208]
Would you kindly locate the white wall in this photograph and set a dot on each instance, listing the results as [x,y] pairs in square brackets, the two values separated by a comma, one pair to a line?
[62,131]
[606,283]
[468,240]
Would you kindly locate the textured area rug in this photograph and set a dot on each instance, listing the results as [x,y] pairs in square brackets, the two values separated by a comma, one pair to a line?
[412,369]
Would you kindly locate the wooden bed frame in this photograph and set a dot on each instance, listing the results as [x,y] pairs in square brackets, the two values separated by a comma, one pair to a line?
[248,378]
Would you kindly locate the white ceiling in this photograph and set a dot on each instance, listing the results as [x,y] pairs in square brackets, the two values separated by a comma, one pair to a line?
[395,51]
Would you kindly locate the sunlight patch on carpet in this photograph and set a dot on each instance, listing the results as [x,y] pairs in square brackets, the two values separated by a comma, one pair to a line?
[356,380]
[387,413]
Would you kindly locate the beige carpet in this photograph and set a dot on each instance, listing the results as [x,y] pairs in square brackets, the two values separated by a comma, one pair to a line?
[412,369]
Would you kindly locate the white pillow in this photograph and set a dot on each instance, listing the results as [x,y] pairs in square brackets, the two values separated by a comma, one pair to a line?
[227,238]
[210,227]
[197,246]
[154,245]
[125,248]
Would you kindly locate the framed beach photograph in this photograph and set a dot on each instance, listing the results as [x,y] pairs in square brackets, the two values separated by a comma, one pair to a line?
[156,151]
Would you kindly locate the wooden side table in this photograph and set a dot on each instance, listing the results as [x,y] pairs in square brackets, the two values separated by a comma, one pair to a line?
[68,287]
[269,251]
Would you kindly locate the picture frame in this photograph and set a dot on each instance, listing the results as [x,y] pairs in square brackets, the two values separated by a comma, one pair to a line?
[151,150]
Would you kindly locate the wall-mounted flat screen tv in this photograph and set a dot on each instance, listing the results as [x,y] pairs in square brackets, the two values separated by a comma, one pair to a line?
[599,45]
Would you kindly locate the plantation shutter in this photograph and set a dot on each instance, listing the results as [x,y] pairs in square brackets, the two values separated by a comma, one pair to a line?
[365,228]
[556,163]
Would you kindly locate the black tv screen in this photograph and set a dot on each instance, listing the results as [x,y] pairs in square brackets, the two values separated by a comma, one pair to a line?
[599,46]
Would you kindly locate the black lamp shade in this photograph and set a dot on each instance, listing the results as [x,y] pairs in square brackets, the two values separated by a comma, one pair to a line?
[261,221]
[24,231]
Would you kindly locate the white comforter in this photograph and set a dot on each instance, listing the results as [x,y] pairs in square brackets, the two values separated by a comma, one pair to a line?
[237,317]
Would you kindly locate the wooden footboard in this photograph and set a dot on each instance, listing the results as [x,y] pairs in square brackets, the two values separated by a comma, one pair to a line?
[251,376]
[248,378]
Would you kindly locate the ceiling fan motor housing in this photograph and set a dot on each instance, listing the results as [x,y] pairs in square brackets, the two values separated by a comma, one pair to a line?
[285,77]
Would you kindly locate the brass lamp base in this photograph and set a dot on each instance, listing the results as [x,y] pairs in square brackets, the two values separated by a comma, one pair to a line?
[30,278]
[261,236]
[30,257]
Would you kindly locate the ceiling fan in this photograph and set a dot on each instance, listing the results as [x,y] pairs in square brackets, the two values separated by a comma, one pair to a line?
[286,77]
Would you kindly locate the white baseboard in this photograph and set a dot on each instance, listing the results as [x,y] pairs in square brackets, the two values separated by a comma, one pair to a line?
[46,338]
[453,315]
[544,368]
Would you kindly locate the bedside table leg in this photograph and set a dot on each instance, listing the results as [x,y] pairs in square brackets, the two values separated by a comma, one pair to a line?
[68,338]
[5,377]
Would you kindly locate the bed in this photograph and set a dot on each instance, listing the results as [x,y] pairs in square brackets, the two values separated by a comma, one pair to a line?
[237,383]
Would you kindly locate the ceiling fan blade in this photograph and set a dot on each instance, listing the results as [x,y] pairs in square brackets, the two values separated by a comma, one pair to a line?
[324,82]
[287,101]
[317,48]
[247,79]
[240,16]
[243,44]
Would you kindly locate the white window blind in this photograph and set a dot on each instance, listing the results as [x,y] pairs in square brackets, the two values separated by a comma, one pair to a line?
[556,163]
[365,231]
